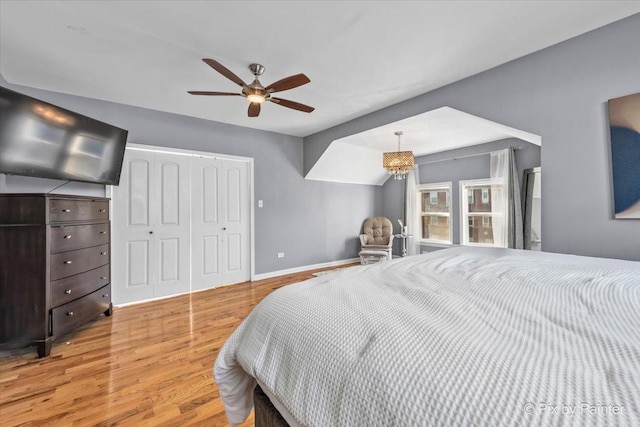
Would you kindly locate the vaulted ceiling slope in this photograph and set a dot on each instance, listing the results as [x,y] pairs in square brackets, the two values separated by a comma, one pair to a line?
[360,56]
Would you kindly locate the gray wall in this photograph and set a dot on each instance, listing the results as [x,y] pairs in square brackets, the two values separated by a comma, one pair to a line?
[559,93]
[441,167]
[310,221]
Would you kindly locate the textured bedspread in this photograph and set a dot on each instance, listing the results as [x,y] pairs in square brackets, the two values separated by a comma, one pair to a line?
[463,336]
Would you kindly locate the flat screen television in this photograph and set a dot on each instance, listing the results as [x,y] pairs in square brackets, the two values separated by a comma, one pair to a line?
[42,140]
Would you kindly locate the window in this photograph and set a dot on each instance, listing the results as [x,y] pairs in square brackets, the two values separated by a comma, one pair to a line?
[485,195]
[477,217]
[435,212]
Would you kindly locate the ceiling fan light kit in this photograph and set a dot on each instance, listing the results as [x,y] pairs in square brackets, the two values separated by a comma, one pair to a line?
[398,163]
[255,92]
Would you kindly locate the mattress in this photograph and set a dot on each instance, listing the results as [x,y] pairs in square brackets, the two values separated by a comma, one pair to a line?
[462,336]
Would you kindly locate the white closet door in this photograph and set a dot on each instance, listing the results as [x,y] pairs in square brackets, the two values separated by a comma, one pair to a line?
[151,227]
[236,222]
[206,223]
[133,244]
[220,222]
[172,225]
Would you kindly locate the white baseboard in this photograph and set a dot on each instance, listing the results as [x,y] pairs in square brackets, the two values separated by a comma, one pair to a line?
[193,291]
[142,301]
[304,268]
[255,277]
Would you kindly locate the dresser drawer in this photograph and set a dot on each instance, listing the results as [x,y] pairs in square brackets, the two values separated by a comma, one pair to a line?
[75,313]
[74,287]
[67,264]
[61,210]
[78,236]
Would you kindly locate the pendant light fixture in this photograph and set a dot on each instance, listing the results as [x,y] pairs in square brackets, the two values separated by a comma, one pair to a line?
[398,163]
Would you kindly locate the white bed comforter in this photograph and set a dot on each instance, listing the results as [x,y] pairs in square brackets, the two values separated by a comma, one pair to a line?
[463,336]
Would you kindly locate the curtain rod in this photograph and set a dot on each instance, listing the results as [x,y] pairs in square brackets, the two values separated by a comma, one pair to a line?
[463,157]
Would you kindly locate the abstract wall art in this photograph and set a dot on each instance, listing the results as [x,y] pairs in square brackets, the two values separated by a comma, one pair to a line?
[624,125]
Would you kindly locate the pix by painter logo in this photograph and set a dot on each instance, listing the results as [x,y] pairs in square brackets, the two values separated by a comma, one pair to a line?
[564,409]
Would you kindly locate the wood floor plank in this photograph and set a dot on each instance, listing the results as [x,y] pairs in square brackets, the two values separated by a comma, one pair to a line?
[148,364]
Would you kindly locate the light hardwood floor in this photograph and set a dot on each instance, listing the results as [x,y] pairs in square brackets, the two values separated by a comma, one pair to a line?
[148,364]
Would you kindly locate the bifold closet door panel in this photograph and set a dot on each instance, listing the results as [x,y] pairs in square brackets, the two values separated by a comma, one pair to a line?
[172,230]
[206,223]
[236,218]
[133,243]
[151,227]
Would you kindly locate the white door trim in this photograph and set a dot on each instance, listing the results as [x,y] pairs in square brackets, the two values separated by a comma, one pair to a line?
[185,152]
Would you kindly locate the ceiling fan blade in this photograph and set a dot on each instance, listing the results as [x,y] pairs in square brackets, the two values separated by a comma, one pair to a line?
[254,109]
[288,83]
[292,104]
[203,92]
[224,71]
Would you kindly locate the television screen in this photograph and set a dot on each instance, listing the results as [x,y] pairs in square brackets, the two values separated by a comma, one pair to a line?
[42,140]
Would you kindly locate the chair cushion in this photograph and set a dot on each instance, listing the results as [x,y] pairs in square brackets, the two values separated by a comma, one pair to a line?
[376,247]
[378,229]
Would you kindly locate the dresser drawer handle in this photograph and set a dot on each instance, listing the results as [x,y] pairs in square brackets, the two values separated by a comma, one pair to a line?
[103,253]
[68,292]
[103,232]
[105,296]
[70,313]
[67,262]
[103,278]
[103,210]
[66,210]
[68,236]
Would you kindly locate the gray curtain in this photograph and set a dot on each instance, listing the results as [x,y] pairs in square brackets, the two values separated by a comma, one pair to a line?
[515,234]
[529,180]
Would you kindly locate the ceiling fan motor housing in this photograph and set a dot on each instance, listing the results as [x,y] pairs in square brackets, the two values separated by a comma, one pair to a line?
[257,89]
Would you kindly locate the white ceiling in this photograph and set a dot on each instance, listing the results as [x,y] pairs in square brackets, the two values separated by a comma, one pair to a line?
[360,55]
[357,159]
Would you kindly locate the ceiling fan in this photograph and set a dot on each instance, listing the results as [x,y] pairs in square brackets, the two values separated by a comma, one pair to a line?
[255,92]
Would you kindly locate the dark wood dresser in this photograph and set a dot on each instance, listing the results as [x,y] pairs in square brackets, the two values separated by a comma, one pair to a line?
[54,266]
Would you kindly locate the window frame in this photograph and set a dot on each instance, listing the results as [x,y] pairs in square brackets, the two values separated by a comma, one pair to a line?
[429,187]
[464,210]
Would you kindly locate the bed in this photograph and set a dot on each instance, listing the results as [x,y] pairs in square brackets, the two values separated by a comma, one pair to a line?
[462,336]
